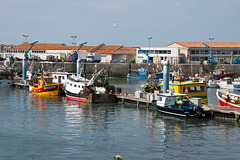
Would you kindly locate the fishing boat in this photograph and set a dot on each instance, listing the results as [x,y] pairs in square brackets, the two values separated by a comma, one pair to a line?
[226,83]
[212,84]
[177,104]
[222,73]
[236,83]
[6,78]
[45,86]
[192,89]
[228,99]
[93,91]
[209,83]
[143,73]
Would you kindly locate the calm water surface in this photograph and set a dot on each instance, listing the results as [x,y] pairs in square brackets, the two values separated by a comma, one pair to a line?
[35,127]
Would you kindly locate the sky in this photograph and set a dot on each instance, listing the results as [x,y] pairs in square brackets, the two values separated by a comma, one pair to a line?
[92,21]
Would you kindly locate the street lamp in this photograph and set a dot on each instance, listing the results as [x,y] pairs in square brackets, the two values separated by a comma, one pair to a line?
[211,39]
[149,38]
[74,41]
[25,36]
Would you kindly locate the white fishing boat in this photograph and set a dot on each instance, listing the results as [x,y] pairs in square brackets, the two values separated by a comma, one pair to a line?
[226,83]
[209,83]
[81,89]
[212,84]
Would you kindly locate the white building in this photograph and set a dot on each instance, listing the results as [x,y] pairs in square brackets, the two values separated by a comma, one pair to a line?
[158,54]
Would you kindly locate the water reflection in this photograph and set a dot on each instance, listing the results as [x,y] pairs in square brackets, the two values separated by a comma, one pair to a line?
[44,103]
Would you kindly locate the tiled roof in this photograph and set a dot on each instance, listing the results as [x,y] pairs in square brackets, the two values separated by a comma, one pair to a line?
[75,47]
[126,50]
[51,46]
[41,46]
[106,49]
[214,44]
[102,48]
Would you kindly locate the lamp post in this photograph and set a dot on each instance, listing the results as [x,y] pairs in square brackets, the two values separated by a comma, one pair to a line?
[149,38]
[211,39]
[25,36]
[74,41]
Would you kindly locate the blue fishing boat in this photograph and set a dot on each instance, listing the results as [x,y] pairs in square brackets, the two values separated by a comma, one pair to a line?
[143,73]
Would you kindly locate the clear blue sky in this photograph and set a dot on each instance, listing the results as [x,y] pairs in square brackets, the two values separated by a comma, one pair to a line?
[167,21]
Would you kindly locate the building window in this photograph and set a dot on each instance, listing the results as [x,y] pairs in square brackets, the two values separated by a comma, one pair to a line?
[145,51]
[236,52]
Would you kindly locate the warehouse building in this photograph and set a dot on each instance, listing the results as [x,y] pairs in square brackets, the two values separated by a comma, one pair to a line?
[222,52]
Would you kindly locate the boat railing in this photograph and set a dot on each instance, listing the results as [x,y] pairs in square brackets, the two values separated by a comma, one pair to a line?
[76,80]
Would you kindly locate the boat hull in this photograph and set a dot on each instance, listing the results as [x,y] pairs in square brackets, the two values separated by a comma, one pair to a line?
[225,103]
[49,90]
[92,97]
[179,112]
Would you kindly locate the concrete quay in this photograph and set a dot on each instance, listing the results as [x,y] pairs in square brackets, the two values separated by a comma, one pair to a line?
[122,69]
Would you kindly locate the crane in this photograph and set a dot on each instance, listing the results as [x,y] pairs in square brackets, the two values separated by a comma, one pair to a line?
[213,62]
[94,77]
[144,53]
[75,53]
[26,54]
[24,64]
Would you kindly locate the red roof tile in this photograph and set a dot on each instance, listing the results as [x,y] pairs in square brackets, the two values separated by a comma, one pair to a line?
[214,44]
[102,48]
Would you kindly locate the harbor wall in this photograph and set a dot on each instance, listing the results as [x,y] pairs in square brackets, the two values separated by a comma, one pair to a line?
[122,69]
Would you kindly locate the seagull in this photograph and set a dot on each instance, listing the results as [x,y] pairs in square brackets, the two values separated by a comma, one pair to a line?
[115,24]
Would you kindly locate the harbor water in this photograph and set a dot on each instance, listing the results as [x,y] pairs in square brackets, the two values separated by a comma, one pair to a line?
[35,127]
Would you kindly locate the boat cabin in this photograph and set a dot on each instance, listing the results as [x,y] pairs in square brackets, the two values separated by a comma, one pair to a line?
[175,100]
[60,77]
[44,80]
[227,80]
[166,99]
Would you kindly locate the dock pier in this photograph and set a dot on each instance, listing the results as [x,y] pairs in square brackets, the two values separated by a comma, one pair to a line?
[222,112]
[130,99]
[20,85]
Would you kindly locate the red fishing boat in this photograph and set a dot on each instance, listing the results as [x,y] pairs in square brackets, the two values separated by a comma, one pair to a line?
[228,99]
[222,73]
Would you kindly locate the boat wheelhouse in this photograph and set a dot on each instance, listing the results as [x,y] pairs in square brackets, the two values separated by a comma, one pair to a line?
[226,83]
